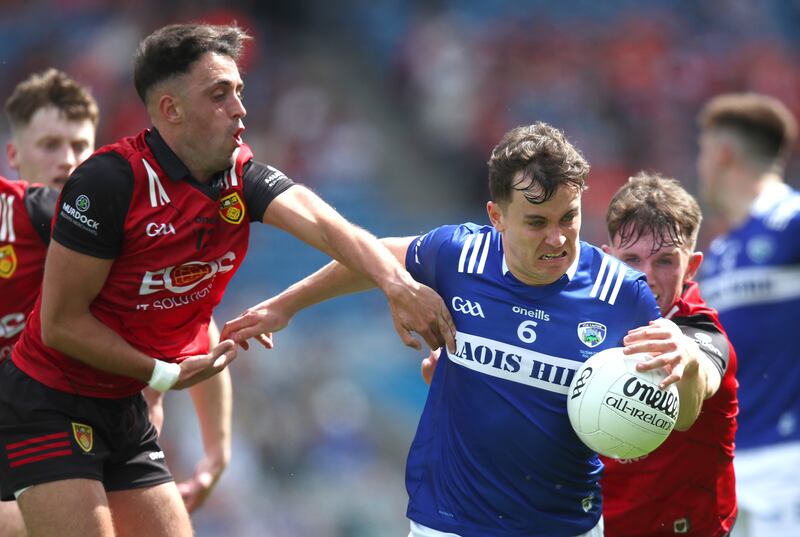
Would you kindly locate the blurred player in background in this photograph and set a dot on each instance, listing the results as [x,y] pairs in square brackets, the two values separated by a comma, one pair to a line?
[752,276]
[53,121]
[494,452]
[148,233]
[687,485]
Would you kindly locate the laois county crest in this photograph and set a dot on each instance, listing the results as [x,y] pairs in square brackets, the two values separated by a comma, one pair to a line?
[591,333]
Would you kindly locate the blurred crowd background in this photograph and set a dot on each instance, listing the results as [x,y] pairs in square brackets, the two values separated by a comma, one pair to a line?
[389,109]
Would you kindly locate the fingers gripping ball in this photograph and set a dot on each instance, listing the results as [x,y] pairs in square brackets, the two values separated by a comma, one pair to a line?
[617,411]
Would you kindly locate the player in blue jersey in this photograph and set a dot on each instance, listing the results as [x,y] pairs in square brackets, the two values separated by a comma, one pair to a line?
[494,453]
[752,277]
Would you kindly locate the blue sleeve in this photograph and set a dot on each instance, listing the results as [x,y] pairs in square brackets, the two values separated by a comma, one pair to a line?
[423,253]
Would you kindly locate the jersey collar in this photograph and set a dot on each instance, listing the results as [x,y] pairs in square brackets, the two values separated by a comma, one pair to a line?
[770,195]
[166,157]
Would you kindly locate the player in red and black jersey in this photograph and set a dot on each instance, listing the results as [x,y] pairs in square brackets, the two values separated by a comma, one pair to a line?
[687,485]
[147,234]
[53,121]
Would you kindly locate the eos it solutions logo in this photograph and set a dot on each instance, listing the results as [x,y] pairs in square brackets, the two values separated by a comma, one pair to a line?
[185,277]
[11,324]
[467,307]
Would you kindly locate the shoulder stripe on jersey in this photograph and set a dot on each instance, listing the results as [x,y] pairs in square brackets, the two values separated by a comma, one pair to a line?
[618,284]
[464,250]
[7,218]
[234,178]
[484,254]
[780,217]
[473,244]
[475,251]
[600,274]
[611,271]
[158,196]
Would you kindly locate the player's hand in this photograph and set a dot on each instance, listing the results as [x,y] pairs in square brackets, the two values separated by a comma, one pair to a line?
[198,368]
[428,366]
[155,407]
[670,349]
[197,488]
[258,322]
[418,308]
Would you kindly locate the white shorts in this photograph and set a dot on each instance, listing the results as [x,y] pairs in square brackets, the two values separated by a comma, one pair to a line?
[418,530]
[768,491]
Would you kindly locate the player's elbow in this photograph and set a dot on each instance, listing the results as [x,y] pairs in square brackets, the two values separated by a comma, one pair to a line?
[54,332]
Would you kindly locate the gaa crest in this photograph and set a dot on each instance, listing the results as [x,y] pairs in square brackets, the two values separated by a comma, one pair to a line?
[8,261]
[83,436]
[231,208]
[591,333]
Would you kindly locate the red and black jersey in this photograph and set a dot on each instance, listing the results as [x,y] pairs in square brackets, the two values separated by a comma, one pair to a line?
[175,242]
[25,214]
[687,485]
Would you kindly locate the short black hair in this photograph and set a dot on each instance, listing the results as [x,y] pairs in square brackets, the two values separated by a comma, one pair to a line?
[171,51]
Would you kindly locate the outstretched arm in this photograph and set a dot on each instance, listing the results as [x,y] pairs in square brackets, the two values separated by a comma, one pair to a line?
[332,280]
[415,307]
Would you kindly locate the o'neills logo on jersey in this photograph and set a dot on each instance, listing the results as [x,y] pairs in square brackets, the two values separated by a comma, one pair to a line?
[8,261]
[185,277]
[231,208]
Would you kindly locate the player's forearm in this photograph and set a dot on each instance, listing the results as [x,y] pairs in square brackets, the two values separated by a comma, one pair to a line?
[86,339]
[331,281]
[213,403]
[692,390]
[363,253]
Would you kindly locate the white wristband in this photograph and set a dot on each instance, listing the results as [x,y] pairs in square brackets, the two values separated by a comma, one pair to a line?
[165,375]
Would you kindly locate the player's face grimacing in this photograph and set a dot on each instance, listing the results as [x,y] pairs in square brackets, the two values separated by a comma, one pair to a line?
[667,269]
[50,147]
[540,240]
[210,97]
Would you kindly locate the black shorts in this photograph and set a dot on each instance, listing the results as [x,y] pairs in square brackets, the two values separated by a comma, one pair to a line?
[49,435]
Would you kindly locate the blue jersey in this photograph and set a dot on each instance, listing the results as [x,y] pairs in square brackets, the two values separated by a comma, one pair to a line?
[494,453]
[752,277]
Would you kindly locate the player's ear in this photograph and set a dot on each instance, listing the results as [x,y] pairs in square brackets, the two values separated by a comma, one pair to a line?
[169,108]
[606,249]
[13,156]
[496,216]
[695,260]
